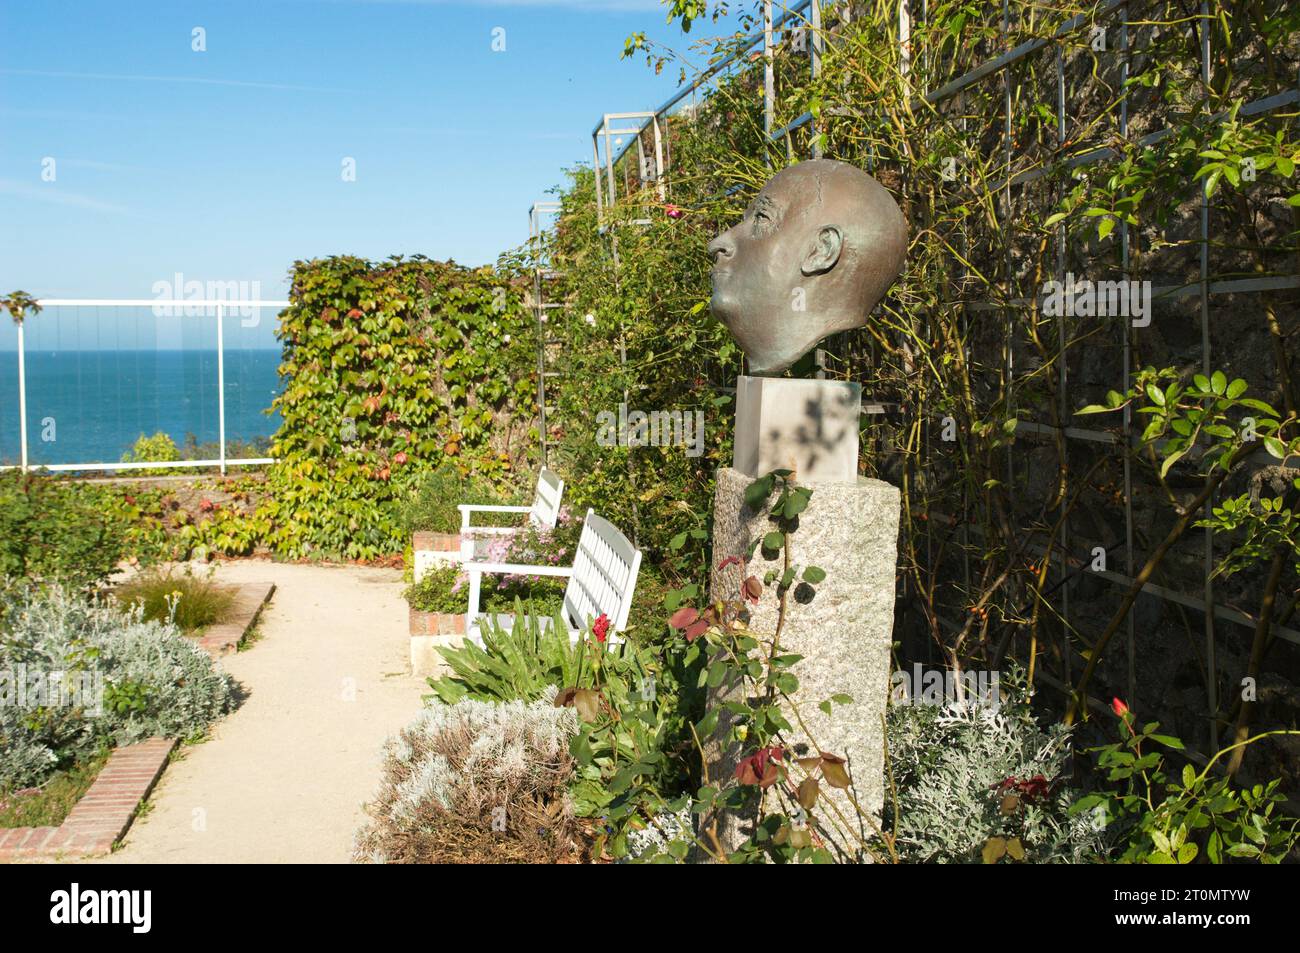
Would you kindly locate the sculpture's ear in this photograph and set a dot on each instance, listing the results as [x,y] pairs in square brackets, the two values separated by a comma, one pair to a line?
[825,252]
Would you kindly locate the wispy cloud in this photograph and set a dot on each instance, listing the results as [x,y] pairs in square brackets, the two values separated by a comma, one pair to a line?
[195,80]
[54,195]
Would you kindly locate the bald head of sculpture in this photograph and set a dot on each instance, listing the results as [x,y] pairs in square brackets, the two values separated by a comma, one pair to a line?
[813,255]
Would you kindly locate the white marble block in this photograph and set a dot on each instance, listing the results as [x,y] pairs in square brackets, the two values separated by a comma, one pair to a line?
[808,426]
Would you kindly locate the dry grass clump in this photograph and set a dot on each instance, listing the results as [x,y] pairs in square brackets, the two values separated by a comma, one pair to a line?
[476,782]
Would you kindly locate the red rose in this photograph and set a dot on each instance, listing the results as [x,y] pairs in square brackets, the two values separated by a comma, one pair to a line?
[1118,707]
[399,457]
[206,505]
[761,767]
[600,628]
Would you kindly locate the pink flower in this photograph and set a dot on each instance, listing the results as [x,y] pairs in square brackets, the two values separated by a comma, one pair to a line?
[672,211]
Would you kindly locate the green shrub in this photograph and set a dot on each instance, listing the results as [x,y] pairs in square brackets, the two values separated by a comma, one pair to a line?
[431,507]
[524,662]
[188,601]
[154,681]
[631,749]
[1199,816]
[476,782]
[51,532]
[972,782]
[441,590]
[156,449]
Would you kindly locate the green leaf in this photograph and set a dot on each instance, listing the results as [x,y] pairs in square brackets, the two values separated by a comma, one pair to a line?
[1170,461]
[1218,382]
[773,541]
[814,575]
[756,493]
[797,502]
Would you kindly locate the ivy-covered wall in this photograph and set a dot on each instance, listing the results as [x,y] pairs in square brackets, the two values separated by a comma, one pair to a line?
[391,369]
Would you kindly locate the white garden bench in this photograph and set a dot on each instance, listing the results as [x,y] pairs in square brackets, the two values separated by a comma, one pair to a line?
[602,581]
[542,514]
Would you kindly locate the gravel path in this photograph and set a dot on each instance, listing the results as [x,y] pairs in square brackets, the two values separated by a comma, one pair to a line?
[283,778]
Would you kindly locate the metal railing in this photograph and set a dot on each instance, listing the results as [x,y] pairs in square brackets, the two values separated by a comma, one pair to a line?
[208,308]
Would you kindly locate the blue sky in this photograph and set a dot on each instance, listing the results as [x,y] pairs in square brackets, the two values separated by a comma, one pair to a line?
[225,165]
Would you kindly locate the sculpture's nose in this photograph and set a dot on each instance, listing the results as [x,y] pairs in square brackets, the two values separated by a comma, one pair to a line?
[722,247]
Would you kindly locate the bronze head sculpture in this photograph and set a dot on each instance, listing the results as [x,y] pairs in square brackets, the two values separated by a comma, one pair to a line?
[814,253]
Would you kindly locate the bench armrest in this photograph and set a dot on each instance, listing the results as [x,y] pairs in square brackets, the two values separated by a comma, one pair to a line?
[515,569]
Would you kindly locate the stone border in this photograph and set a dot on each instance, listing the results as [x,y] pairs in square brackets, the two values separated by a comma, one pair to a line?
[224,638]
[104,813]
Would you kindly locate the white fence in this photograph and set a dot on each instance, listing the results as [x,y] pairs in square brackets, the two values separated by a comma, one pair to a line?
[189,308]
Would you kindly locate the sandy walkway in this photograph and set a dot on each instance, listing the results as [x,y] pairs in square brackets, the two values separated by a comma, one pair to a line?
[283,778]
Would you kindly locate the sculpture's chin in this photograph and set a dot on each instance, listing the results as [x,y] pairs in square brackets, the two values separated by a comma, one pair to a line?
[775,357]
[769,367]
[725,309]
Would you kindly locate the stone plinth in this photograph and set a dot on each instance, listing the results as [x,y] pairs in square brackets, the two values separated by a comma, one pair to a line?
[807,426]
[843,633]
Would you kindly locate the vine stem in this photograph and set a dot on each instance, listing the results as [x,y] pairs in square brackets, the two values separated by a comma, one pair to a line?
[1190,512]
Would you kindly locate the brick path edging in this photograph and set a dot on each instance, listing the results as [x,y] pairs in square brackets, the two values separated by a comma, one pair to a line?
[103,814]
[223,638]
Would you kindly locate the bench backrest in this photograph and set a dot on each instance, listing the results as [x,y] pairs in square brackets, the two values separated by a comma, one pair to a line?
[546,501]
[604,575]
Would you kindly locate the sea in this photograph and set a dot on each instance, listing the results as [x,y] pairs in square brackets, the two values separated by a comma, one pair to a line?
[90,406]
